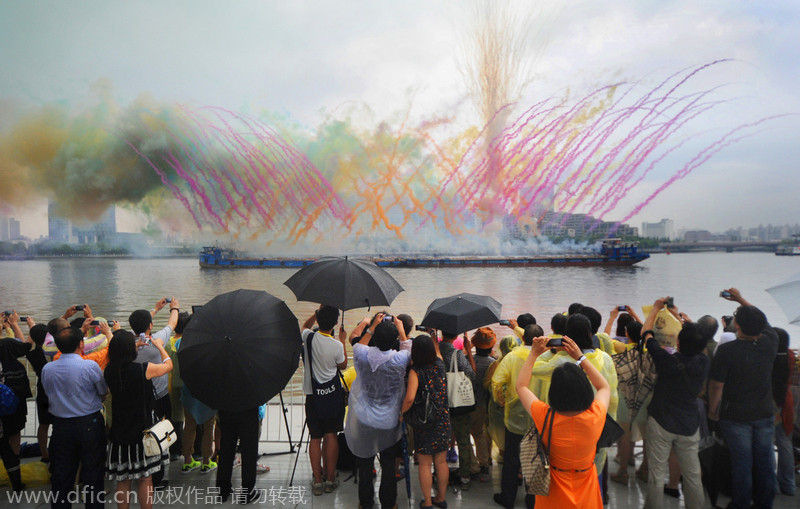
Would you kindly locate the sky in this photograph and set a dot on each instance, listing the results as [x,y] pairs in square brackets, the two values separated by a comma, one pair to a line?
[389,63]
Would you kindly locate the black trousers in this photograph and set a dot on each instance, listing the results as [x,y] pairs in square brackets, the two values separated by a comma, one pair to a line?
[242,427]
[511,469]
[387,492]
[78,441]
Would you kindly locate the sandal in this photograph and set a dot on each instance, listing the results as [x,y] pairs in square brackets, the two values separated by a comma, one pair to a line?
[619,478]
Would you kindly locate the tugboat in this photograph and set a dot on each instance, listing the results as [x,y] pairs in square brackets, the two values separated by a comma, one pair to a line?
[790,248]
[613,252]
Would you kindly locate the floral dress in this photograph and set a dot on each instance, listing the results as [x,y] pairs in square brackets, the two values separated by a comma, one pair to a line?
[435,438]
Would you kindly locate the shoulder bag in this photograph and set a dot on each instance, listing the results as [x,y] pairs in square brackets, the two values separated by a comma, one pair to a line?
[9,402]
[535,458]
[459,386]
[421,413]
[157,438]
[327,398]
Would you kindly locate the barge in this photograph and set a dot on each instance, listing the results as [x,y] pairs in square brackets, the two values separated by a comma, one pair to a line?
[613,252]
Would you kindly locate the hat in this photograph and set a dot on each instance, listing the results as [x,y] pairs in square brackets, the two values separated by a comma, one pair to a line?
[484,338]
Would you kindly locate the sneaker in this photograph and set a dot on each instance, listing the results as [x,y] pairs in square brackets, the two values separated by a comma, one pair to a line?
[317,488]
[465,483]
[190,467]
[331,485]
[261,469]
[208,467]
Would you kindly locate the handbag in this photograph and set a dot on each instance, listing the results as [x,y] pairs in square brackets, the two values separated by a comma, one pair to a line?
[534,458]
[459,386]
[9,402]
[158,438]
[327,398]
[612,432]
[421,413]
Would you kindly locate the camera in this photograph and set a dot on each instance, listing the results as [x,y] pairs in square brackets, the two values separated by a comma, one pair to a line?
[622,308]
[670,302]
[725,294]
[23,318]
[80,307]
[421,328]
[504,322]
[388,318]
[552,342]
[167,299]
[94,322]
[8,313]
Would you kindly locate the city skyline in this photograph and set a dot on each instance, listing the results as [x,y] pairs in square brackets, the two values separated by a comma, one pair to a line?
[310,62]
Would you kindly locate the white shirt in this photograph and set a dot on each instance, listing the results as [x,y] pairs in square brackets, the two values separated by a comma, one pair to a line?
[327,353]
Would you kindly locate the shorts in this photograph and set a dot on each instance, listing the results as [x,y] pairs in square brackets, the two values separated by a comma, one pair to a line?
[43,408]
[317,428]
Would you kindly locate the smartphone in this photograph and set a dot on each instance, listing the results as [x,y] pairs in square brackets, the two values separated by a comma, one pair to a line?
[622,308]
[195,308]
[167,299]
[555,342]
[94,322]
[504,322]
[388,318]
[23,318]
[670,302]
[421,328]
[725,294]
[80,307]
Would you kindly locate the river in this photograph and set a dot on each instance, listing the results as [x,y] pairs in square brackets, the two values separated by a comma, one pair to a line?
[114,287]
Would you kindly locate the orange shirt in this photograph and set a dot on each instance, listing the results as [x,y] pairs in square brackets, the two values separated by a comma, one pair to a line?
[99,356]
[573,476]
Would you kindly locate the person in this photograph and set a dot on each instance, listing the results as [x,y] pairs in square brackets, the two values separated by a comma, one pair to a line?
[329,355]
[460,416]
[708,326]
[782,372]
[673,423]
[131,387]
[740,398]
[175,384]
[37,359]
[578,411]
[141,322]
[495,420]
[195,413]
[13,374]
[238,427]
[373,419]
[484,340]
[427,371]
[76,390]
[517,420]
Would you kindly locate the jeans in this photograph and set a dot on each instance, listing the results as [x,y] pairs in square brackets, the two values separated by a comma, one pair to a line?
[78,441]
[241,427]
[511,471]
[752,462]
[659,444]
[388,489]
[785,461]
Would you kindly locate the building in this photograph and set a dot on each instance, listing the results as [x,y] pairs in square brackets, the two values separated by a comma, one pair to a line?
[663,229]
[3,229]
[13,229]
[63,230]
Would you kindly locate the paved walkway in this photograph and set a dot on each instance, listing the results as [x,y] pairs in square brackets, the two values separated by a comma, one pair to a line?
[196,490]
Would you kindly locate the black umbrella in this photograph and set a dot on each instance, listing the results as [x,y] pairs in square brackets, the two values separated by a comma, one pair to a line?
[462,312]
[344,283]
[240,350]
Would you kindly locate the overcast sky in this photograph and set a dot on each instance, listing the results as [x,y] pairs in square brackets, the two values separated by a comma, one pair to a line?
[310,59]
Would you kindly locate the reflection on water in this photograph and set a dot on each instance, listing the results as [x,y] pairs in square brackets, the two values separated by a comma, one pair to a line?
[116,287]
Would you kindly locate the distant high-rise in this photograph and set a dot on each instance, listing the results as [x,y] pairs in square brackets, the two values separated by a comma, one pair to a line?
[13,229]
[663,229]
[3,228]
[63,230]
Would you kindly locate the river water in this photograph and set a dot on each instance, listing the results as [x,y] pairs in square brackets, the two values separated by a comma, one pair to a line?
[115,287]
